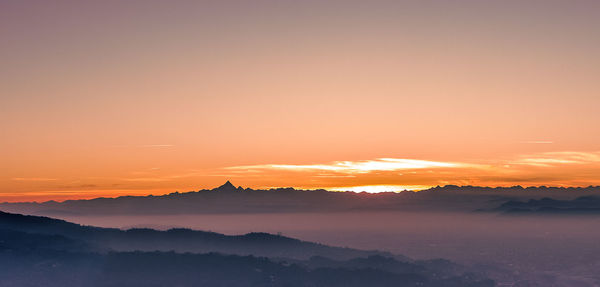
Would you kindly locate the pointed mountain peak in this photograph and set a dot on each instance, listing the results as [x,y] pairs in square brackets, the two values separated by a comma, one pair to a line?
[227,186]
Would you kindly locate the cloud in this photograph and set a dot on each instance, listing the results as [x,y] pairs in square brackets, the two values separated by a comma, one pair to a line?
[560,168]
[147,179]
[33,179]
[143,146]
[551,159]
[537,142]
[352,167]
[160,178]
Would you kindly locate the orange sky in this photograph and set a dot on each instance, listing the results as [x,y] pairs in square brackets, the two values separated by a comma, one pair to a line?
[113,98]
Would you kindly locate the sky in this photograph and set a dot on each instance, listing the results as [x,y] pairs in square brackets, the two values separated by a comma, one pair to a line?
[107,98]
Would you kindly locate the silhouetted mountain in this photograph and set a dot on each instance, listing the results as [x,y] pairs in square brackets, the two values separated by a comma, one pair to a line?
[581,205]
[228,187]
[38,251]
[229,199]
[17,240]
[180,240]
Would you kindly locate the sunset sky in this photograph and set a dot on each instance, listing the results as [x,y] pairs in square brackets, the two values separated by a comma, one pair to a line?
[106,98]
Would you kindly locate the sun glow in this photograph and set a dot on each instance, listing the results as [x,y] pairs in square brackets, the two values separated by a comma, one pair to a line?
[380,188]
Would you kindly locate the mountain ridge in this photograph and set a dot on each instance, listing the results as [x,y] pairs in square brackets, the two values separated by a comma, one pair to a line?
[181,239]
[230,199]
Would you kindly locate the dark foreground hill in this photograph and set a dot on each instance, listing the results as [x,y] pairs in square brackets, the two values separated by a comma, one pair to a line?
[228,199]
[37,251]
[179,240]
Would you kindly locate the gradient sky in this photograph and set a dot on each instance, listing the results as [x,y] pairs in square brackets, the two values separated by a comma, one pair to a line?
[136,97]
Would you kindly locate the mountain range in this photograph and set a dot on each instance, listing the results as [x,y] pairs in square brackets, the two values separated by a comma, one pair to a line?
[228,199]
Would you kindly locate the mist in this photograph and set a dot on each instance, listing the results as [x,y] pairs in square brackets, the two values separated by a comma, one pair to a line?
[549,249]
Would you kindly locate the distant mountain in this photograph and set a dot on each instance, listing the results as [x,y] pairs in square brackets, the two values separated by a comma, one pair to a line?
[39,251]
[584,205]
[230,199]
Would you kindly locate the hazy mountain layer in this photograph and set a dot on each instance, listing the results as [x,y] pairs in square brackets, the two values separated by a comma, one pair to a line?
[585,205]
[39,251]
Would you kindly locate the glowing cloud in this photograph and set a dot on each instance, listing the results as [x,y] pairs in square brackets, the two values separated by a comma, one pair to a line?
[364,166]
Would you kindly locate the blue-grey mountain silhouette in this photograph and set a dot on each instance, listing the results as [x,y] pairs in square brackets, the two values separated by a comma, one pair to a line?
[40,251]
[584,205]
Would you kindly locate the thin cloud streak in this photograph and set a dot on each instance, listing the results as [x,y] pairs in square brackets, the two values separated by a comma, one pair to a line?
[160,178]
[33,179]
[550,159]
[537,142]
